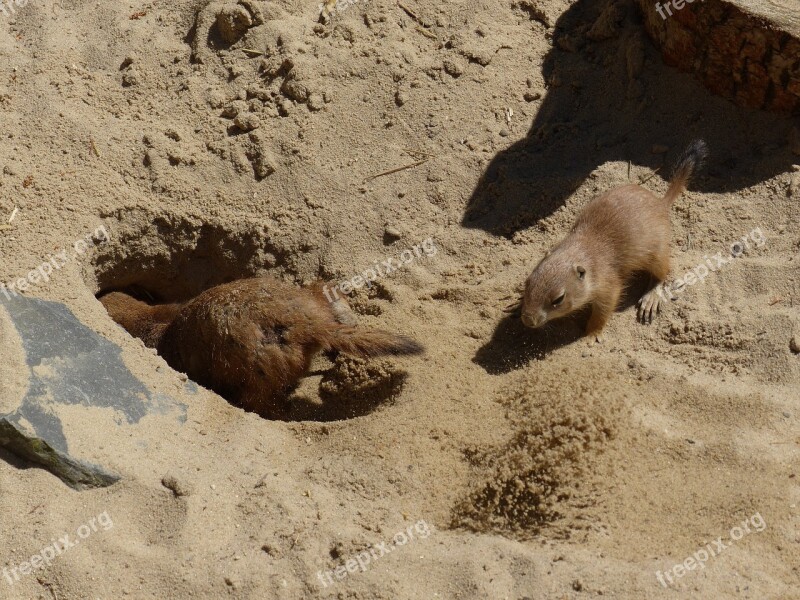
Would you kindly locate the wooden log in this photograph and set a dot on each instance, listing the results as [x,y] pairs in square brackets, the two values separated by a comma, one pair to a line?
[745,50]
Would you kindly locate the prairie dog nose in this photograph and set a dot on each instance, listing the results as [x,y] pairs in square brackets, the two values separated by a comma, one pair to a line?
[532,321]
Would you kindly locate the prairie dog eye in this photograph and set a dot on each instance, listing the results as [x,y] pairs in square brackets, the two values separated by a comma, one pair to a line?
[559,300]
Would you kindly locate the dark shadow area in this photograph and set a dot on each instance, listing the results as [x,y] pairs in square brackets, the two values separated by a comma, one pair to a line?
[350,389]
[17,462]
[513,345]
[611,98]
[171,258]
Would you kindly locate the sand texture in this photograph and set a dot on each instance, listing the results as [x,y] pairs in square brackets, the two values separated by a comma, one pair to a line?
[219,140]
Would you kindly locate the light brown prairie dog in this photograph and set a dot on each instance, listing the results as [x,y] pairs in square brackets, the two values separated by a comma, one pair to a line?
[623,231]
[251,340]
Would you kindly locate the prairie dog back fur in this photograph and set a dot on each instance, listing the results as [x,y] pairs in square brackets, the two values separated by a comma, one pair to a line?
[623,231]
[251,340]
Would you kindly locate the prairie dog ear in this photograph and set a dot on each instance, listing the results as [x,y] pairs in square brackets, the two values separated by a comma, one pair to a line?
[581,271]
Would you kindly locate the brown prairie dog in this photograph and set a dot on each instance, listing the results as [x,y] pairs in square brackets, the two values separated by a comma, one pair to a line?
[142,320]
[623,231]
[252,340]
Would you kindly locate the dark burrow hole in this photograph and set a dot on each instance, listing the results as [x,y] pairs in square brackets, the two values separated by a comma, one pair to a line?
[163,258]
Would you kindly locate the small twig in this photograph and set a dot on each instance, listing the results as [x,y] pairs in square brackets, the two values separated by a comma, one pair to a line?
[422,26]
[13,214]
[409,12]
[417,152]
[94,147]
[775,300]
[398,169]
[651,176]
[252,52]
[426,33]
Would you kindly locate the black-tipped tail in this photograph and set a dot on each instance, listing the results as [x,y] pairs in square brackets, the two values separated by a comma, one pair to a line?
[690,161]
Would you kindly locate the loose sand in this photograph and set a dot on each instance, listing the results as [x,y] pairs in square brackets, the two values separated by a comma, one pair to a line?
[524,464]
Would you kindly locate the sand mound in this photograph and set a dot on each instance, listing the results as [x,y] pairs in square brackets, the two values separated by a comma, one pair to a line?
[548,473]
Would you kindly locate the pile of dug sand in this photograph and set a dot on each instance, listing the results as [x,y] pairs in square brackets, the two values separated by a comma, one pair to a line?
[218,140]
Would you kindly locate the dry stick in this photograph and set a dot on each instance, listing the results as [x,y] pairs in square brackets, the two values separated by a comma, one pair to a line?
[252,52]
[421,25]
[398,169]
[418,152]
[651,176]
[426,33]
[409,12]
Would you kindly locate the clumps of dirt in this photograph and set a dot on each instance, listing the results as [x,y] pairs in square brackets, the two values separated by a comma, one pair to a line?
[220,24]
[233,20]
[356,387]
[548,473]
[725,336]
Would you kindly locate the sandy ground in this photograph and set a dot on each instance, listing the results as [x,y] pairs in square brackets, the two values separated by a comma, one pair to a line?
[506,463]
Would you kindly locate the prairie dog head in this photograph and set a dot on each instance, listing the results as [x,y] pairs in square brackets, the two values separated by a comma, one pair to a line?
[558,286]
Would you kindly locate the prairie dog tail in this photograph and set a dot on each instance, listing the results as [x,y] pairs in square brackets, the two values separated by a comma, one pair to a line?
[691,160]
[364,342]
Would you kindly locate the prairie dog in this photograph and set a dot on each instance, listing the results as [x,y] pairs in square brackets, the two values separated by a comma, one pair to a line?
[144,321]
[252,340]
[623,231]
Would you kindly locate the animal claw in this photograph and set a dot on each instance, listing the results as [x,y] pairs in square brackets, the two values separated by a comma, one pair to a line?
[649,306]
[595,338]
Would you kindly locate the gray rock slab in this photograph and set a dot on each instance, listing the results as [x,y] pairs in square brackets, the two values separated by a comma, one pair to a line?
[71,387]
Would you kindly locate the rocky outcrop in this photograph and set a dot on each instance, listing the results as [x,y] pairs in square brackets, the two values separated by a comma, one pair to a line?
[76,395]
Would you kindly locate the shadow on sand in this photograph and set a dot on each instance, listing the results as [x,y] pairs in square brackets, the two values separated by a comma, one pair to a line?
[611,98]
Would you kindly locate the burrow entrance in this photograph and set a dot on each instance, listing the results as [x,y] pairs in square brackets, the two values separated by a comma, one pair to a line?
[167,257]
